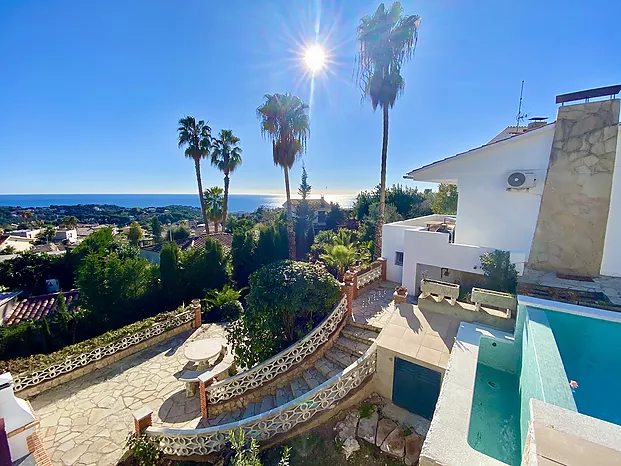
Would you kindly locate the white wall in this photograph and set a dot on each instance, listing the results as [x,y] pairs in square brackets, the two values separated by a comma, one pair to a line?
[611,262]
[19,243]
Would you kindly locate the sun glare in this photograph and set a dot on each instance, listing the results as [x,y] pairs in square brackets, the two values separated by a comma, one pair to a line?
[315,58]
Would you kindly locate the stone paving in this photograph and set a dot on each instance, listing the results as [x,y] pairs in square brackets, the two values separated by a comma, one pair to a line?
[375,307]
[86,421]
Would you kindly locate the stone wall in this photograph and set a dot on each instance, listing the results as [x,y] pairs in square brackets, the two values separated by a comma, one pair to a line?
[571,227]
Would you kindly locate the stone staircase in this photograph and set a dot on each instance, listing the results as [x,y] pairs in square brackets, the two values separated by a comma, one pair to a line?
[353,341]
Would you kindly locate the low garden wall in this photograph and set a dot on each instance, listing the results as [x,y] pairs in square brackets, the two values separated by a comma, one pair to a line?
[46,371]
[439,290]
[360,280]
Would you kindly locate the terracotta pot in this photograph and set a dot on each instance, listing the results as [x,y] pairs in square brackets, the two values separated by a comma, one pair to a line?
[401,291]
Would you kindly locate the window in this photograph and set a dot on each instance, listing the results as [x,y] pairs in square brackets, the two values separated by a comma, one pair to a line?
[398,258]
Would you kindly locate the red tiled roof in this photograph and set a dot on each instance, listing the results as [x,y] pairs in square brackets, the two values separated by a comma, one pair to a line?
[37,307]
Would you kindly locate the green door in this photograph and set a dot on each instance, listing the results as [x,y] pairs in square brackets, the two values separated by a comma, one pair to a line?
[415,388]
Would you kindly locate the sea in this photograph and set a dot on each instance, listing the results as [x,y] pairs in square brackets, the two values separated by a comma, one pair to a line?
[237,202]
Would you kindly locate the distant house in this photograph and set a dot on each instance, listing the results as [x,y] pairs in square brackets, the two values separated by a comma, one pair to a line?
[152,251]
[18,243]
[30,234]
[8,301]
[84,231]
[34,307]
[320,208]
[69,235]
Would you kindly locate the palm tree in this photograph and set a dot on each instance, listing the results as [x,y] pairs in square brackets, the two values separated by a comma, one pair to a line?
[284,119]
[386,40]
[196,137]
[340,257]
[226,157]
[213,205]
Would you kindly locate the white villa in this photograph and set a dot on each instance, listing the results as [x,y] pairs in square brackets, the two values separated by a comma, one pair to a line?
[543,193]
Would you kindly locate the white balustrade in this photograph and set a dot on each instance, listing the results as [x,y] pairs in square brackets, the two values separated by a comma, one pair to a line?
[282,362]
[370,276]
[266,425]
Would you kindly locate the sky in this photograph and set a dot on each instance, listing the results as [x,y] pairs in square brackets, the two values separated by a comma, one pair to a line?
[91,92]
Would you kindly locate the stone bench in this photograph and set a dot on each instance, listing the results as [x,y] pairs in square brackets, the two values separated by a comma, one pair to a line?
[220,371]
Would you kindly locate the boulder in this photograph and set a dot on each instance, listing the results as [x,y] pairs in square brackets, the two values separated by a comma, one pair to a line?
[395,443]
[367,427]
[413,446]
[350,445]
[384,427]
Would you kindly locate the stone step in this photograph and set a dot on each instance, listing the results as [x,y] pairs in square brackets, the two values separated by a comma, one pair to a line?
[283,395]
[355,348]
[362,335]
[364,325]
[252,409]
[340,357]
[267,403]
[298,387]
[231,416]
[313,377]
[327,368]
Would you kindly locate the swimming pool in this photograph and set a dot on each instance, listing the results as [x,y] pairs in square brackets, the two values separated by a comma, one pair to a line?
[591,352]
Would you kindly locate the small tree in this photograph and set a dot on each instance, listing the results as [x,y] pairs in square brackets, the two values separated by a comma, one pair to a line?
[445,200]
[304,231]
[47,234]
[134,235]
[170,274]
[243,256]
[286,300]
[156,229]
[500,271]
[70,222]
[340,257]
[335,218]
[247,453]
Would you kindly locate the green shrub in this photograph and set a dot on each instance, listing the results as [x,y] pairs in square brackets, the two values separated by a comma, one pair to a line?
[286,300]
[500,271]
[144,449]
[222,304]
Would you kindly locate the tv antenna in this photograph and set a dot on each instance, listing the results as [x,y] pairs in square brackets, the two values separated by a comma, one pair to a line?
[520,116]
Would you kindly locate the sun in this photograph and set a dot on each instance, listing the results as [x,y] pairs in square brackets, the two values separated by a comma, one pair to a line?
[315,58]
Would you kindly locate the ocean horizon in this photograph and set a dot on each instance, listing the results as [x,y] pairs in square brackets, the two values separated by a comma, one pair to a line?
[237,202]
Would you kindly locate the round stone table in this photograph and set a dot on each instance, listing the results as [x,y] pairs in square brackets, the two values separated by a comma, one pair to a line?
[201,351]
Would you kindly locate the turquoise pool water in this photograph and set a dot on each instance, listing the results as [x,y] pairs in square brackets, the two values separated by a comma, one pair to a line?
[591,353]
[495,416]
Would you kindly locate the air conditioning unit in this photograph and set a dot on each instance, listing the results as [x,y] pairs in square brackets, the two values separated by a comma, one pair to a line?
[521,180]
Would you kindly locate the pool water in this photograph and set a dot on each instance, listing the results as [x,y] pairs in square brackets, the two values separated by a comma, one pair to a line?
[495,419]
[591,353]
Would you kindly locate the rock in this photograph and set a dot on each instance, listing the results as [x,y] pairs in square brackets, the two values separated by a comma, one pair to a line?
[413,446]
[422,427]
[350,445]
[367,428]
[347,427]
[395,443]
[384,427]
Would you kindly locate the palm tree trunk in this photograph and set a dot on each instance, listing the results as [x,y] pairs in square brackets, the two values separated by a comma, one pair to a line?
[197,165]
[382,201]
[225,203]
[290,230]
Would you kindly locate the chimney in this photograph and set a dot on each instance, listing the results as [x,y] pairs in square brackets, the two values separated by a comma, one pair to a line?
[536,122]
[17,415]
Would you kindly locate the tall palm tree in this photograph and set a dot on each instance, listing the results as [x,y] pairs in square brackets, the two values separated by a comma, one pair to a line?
[386,41]
[226,157]
[213,205]
[284,119]
[196,137]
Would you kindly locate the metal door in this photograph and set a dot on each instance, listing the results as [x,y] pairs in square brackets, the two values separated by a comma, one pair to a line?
[415,388]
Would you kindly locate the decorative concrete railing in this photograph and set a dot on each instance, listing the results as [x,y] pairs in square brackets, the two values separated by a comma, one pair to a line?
[77,361]
[370,276]
[480,296]
[439,290]
[276,421]
[282,362]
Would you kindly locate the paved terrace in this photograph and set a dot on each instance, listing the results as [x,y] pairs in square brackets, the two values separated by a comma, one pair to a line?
[86,421]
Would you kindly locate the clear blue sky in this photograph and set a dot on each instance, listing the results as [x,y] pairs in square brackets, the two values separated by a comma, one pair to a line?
[90,92]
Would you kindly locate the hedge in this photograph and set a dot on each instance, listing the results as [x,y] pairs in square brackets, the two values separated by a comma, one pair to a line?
[39,361]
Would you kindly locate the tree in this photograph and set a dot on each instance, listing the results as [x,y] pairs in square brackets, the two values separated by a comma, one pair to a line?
[304,231]
[181,232]
[336,217]
[134,235]
[170,274]
[47,233]
[500,271]
[156,229]
[70,222]
[371,219]
[203,269]
[340,257]
[226,157]
[386,41]
[197,140]
[247,453]
[213,205]
[363,201]
[243,245]
[286,300]
[284,119]
[445,200]
[8,250]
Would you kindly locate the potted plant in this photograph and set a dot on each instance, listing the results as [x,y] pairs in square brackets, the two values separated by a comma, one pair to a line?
[401,290]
